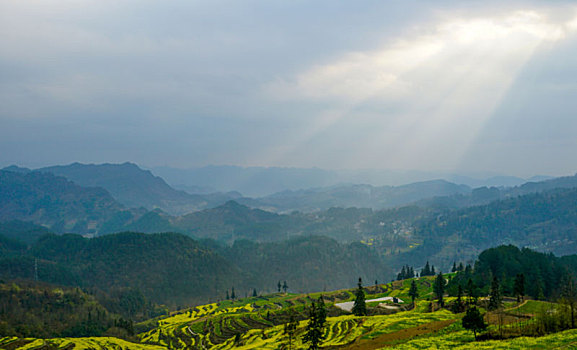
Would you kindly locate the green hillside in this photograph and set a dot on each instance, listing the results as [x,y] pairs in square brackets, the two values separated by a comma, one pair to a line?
[259,323]
[175,270]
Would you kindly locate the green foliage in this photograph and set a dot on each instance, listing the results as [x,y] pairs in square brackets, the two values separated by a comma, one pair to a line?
[495,297]
[539,274]
[46,311]
[359,307]
[413,291]
[439,288]
[315,328]
[473,321]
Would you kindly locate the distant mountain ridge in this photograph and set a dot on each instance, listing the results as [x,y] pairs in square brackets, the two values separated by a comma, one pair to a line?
[265,181]
[359,196]
[135,187]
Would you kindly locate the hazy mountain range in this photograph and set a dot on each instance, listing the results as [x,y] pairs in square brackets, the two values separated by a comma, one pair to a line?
[264,181]
[239,242]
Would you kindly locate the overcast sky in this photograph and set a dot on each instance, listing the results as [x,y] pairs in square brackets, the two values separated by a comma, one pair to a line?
[457,86]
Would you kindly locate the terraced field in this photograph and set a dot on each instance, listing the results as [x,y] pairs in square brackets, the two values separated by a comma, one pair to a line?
[258,323]
[95,343]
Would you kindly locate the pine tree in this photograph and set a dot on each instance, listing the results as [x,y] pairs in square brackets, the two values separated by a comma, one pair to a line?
[315,327]
[569,297]
[426,271]
[472,292]
[495,298]
[290,328]
[284,287]
[459,302]
[227,296]
[439,288]
[473,320]
[232,295]
[454,269]
[322,311]
[360,307]
[413,291]
[279,286]
[254,292]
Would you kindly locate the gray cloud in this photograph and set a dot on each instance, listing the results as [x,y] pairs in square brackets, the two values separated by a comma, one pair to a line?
[291,83]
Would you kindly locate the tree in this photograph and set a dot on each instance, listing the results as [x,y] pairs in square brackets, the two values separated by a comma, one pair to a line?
[284,287]
[439,288]
[254,292]
[519,287]
[569,297]
[322,311]
[279,286]
[227,296]
[454,269]
[360,307]
[232,295]
[495,297]
[426,271]
[290,328]
[473,321]
[413,291]
[315,327]
[472,292]
[459,302]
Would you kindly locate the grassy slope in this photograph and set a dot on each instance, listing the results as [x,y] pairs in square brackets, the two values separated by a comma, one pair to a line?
[260,322]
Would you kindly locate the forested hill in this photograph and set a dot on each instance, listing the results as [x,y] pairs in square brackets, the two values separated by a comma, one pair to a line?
[54,202]
[176,270]
[544,221]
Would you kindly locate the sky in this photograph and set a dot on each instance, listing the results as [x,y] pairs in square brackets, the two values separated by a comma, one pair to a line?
[455,86]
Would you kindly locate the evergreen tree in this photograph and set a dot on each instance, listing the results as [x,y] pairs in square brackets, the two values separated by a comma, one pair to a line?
[569,297]
[460,268]
[459,301]
[439,288]
[519,287]
[254,292]
[495,297]
[315,327]
[472,292]
[454,269]
[321,311]
[433,270]
[426,271]
[473,320]
[279,286]
[413,291]
[360,307]
[290,328]
[232,295]
[227,296]
[284,287]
